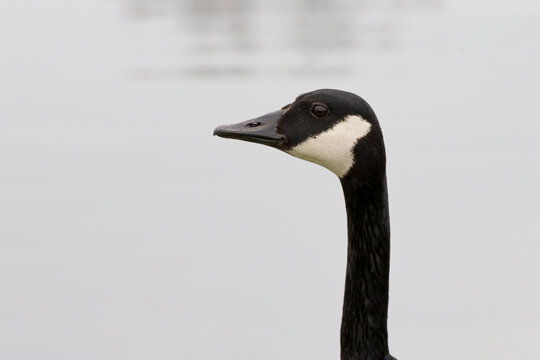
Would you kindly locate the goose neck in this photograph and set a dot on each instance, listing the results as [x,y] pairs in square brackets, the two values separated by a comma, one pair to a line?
[364,324]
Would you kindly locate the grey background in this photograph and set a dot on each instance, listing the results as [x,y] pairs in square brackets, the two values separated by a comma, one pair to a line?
[128,232]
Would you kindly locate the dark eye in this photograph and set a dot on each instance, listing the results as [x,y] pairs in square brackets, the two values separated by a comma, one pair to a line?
[319,110]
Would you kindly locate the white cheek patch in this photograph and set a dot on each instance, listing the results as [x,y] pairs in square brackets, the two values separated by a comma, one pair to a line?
[333,148]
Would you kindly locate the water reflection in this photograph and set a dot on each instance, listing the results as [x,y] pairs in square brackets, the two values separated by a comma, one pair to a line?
[246,37]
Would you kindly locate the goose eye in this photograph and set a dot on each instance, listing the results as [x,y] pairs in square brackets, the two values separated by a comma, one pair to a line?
[319,110]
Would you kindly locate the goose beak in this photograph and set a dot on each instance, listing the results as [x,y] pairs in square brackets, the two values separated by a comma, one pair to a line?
[261,130]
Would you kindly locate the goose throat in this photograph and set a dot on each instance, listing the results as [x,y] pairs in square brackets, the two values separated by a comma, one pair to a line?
[333,148]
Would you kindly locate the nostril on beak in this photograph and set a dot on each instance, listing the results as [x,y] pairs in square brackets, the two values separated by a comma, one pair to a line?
[253,124]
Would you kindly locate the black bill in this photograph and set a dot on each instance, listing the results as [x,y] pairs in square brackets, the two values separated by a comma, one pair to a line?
[261,130]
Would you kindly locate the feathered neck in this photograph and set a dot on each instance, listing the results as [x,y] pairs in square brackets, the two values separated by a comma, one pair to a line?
[364,334]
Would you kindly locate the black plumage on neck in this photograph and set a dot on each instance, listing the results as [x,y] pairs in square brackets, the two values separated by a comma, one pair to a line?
[364,334]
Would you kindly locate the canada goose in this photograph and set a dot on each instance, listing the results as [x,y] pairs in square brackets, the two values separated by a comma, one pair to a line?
[339,130]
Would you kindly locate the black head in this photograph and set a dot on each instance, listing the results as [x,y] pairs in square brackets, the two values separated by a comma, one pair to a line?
[333,128]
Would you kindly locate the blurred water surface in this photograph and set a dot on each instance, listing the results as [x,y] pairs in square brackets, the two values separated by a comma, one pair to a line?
[128,231]
[241,37]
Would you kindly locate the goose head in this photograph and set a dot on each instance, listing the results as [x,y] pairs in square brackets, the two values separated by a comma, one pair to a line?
[335,129]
